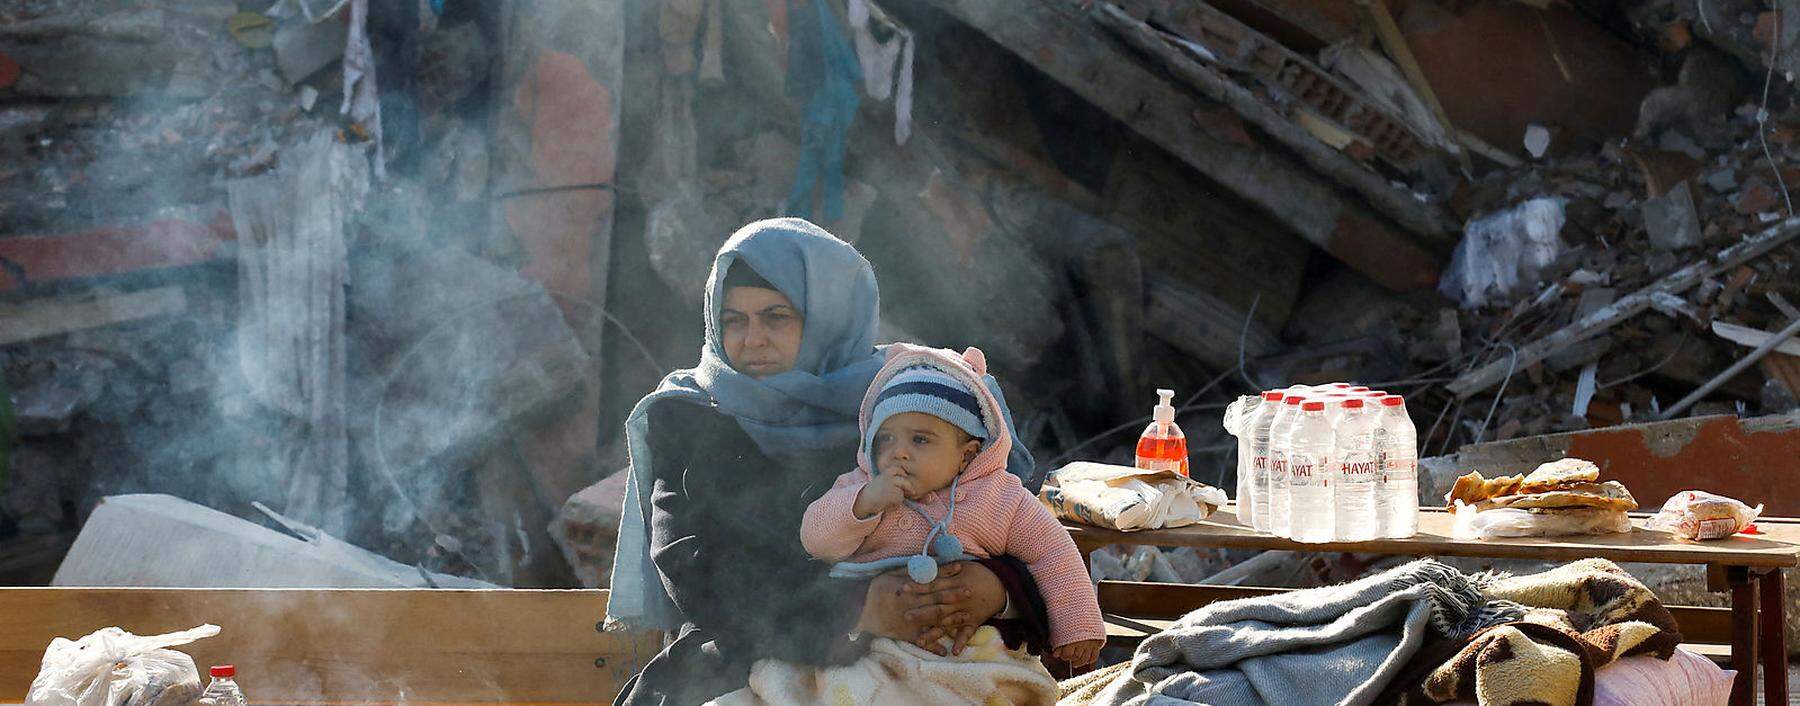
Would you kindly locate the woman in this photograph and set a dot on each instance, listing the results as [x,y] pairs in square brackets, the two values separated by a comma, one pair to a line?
[726,457]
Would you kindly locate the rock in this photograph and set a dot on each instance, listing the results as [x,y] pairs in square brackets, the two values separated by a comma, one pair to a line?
[302,48]
[1671,219]
[1537,140]
[1436,476]
[586,529]
[1723,180]
[1756,196]
[45,407]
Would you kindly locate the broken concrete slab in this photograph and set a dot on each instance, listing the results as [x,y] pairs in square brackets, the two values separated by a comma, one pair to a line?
[164,541]
[1750,460]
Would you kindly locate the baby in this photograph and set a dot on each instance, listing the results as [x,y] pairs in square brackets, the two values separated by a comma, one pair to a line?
[931,479]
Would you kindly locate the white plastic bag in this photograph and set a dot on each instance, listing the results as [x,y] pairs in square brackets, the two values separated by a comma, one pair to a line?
[1126,498]
[1699,515]
[1472,524]
[1501,251]
[111,667]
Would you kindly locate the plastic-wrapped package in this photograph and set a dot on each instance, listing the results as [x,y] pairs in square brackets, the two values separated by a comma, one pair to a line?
[1473,524]
[1699,515]
[1126,499]
[111,667]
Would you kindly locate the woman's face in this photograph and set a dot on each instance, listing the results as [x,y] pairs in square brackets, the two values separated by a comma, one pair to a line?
[760,330]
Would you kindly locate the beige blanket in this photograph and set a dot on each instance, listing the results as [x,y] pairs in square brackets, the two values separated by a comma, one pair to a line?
[899,674]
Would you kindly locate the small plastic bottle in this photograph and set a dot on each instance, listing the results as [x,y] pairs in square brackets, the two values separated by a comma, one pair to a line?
[1313,517]
[1280,438]
[1397,489]
[1255,511]
[1237,422]
[1163,447]
[223,691]
[1355,471]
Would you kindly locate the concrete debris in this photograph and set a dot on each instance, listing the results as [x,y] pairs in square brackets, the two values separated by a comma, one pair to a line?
[1671,220]
[1537,140]
[161,540]
[303,48]
[586,528]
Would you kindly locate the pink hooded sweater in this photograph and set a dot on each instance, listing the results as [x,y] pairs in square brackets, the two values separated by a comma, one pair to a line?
[995,514]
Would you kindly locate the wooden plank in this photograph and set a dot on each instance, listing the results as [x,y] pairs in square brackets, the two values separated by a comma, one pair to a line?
[39,319]
[1056,37]
[113,250]
[1746,336]
[349,645]
[1772,585]
[1598,322]
[1742,364]
[1777,547]
[1743,636]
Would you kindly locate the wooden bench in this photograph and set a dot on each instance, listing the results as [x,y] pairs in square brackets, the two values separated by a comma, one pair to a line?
[1749,634]
[314,646]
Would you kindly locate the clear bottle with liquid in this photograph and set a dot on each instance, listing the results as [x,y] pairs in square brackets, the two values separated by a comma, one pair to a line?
[223,691]
[1397,489]
[1312,517]
[1162,446]
[1281,431]
[1255,509]
[1355,470]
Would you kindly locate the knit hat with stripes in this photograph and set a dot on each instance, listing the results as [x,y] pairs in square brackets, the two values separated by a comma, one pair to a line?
[929,390]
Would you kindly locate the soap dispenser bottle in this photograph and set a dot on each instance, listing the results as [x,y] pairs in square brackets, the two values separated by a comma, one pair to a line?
[1162,447]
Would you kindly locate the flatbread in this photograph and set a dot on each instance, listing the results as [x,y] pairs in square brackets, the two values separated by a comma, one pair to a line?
[1560,474]
[1611,495]
[1472,488]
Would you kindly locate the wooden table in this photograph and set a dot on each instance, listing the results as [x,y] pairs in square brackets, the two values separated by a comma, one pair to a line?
[1744,565]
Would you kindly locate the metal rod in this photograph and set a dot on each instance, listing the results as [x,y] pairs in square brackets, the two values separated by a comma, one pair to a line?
[1793,327]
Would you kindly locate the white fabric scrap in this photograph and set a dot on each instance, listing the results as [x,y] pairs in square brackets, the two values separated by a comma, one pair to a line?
[878,60]
[361,101]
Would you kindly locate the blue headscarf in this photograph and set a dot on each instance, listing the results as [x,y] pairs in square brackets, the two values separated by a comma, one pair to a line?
[797,414]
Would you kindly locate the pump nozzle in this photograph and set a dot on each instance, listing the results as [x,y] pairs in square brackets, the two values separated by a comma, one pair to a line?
[1165,410]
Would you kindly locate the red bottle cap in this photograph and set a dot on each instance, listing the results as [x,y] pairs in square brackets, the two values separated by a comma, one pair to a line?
[1273,396]
[1341,385]
[1360,388]
[1353,403]
[1295,399]
[224,671]
[1313,407]
[1393,401]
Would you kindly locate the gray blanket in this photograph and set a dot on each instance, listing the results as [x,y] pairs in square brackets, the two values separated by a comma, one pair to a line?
[1333,645]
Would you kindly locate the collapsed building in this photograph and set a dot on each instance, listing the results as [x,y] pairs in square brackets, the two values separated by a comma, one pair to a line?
[400,269]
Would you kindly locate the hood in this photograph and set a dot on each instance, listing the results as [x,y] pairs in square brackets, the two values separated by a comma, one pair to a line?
[969,367]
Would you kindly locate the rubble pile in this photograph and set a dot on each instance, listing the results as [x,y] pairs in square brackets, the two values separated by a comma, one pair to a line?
[1630,214]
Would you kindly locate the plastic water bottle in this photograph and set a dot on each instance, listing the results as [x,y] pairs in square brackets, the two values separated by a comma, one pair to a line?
[1355,465]
[1280,443]
[1311,517]
[1256,507]
[223,691]
[1397,489]
[1237,423]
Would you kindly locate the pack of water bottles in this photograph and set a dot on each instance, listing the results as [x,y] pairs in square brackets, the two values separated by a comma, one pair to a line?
[1326,463]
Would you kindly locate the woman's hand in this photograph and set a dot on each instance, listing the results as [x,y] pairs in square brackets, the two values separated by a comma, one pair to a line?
[965,595]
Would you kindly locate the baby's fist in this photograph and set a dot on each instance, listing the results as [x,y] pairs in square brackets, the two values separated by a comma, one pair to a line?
[1079,654]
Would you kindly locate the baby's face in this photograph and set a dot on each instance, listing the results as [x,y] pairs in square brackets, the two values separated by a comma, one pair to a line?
[924,449]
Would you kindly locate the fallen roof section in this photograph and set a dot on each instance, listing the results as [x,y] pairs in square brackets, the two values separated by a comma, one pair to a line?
[1064,42]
